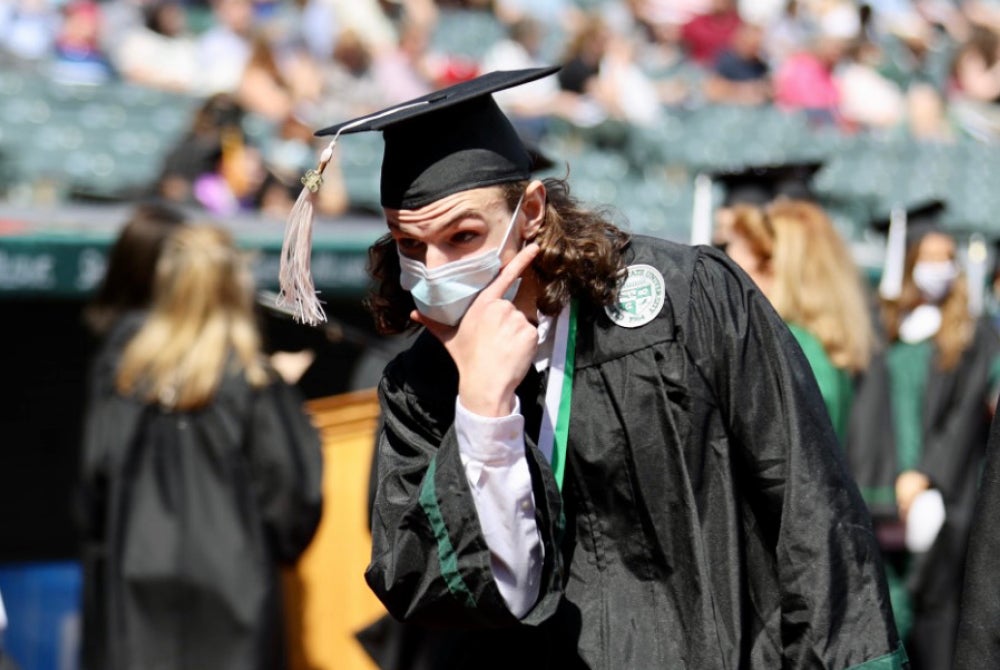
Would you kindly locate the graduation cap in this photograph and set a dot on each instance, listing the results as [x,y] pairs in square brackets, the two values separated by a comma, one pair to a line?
[754,185]
[921,219]
[436,145]
[903,228]
[759,185]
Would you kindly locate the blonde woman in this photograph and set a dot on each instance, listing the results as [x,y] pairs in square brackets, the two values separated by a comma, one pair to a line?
[201,473]
[797,259]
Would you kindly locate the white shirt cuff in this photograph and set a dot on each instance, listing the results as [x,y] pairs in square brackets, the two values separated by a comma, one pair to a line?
[493,456]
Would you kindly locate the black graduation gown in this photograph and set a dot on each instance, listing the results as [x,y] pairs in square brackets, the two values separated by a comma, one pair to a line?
[186,517]
[978,643]
[706,520]
[954,430]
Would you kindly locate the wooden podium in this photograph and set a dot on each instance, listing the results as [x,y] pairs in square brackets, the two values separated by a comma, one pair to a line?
[327,599]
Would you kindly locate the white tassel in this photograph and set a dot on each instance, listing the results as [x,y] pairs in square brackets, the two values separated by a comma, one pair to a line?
[891,286]
[297,290]
[295,275]
[701,217]
[975,274]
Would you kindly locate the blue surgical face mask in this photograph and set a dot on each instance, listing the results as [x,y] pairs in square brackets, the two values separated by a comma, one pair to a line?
[445,293]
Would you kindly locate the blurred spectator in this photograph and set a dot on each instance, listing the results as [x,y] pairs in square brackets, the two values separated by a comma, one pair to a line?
[601,66]
[225,48]
[787,34]
[128,280]
[368,20]
[273,92]
[916,56]
[286,159]
[806,79]
[318,27]
[160,53]
[559,14]
[913,51]
[669,16]
[530,104]
[705,36]
[78,55]
[624,89]
[984,13]
[740,75]
[584,53]
[977,66]
[212,165]
[201,475]
[975,99]
[350,88]
[867,98]
[28,28]
[405,72]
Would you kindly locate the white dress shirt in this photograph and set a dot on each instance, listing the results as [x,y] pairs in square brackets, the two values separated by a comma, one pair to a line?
[493,455]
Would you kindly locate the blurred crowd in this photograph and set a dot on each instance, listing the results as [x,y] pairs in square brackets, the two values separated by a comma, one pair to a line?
[929,69]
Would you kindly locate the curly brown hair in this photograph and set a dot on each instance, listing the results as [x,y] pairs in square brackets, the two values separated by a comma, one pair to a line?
[580,257]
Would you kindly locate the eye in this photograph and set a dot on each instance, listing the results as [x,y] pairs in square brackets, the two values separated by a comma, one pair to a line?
[409,244]
[464,237]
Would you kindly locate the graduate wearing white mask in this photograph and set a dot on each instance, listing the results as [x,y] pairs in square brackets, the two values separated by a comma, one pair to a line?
[626,465]
[942,364]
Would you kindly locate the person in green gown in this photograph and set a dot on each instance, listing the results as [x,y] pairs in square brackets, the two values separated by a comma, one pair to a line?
[796,257]
[942,368]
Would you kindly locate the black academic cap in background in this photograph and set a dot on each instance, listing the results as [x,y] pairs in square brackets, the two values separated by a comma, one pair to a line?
[448,141]
[760,184]
[921,219]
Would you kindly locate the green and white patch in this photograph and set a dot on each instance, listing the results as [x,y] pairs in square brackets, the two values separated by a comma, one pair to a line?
[640,297]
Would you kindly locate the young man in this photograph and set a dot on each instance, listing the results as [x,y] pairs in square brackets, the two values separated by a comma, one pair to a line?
[601,452]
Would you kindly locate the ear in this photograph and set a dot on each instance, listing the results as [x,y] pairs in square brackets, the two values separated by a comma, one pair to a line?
[533,208]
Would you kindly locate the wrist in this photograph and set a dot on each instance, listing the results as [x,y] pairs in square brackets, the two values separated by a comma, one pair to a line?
[487,404]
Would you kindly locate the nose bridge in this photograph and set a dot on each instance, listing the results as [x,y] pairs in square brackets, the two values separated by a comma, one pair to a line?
[434,256]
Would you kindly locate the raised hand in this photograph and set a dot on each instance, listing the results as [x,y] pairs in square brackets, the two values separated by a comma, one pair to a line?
[493,345]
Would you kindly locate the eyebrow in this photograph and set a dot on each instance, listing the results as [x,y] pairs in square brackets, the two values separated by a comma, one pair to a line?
[467,213]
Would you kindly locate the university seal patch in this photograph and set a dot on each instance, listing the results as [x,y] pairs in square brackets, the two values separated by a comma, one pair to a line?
[640,297]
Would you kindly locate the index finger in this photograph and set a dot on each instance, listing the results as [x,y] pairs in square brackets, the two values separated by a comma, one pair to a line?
[511,272]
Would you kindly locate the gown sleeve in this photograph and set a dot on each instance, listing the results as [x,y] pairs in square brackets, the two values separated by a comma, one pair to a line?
[947,464]
[978,644]
[285,460]
[834,603]
[430,561]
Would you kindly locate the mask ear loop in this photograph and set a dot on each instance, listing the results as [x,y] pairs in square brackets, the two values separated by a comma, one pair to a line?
[297,289]
[510,226]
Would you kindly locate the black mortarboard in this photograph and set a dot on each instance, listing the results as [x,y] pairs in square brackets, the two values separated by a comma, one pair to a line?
[448,141]
[921,219]
[436,145]
[911,225]
[760,184]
